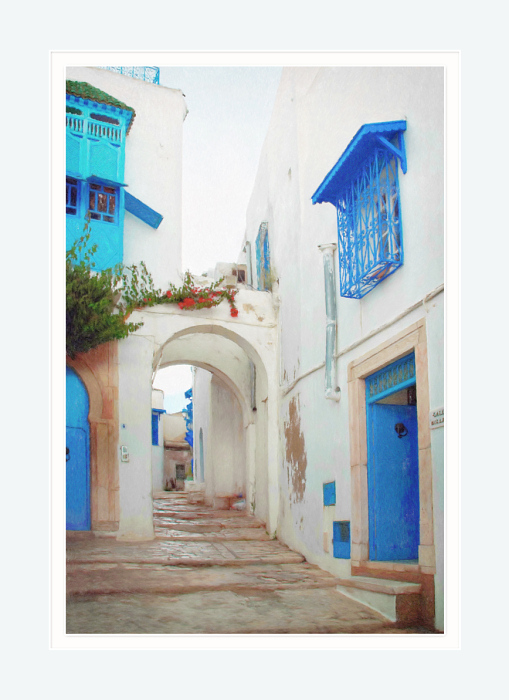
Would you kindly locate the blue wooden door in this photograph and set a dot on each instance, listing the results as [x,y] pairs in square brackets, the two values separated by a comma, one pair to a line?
[77,454]
[393,483]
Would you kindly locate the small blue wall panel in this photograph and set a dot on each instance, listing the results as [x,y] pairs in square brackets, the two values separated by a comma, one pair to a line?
[142,211]
[329,494]
[341,539]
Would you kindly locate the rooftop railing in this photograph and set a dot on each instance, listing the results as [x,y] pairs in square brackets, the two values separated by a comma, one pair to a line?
[150,74]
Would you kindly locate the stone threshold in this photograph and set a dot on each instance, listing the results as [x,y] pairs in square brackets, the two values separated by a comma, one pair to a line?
[380,585]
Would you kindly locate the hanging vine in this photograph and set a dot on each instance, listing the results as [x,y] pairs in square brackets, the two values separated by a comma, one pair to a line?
[98,304]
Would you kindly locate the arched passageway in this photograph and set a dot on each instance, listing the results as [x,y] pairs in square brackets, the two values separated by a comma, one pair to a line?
[240,355]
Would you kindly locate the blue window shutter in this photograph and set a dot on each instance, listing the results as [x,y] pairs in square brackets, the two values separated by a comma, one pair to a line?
[137,208]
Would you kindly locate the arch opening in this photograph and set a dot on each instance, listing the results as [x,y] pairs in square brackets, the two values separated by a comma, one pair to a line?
[230,391]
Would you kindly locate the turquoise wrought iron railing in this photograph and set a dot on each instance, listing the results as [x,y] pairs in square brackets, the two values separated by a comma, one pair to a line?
[150,74]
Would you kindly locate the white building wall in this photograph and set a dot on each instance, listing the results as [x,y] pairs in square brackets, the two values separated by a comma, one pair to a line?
[153,170]
[174,426]
[317,113]
[201,422]
[218,414]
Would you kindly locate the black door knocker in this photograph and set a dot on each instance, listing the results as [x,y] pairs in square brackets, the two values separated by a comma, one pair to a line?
[67,454]
[401,430]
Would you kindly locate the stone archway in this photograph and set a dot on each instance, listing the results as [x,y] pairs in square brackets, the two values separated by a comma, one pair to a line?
[229,348]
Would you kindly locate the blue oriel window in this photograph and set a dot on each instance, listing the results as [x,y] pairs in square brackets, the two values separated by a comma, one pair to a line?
[364,188]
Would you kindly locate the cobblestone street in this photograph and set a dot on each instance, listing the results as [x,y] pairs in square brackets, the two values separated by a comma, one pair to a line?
[207,572]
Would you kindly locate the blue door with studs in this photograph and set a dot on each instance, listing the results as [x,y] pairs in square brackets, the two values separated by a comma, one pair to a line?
[77,454]
[393,463]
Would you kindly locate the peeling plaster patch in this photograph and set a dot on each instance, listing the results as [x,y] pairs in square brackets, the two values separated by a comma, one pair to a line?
[296,459]
[249,307]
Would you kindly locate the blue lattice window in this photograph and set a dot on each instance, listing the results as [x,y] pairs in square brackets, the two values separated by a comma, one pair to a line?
[364,188]
[263,258]
[102,202]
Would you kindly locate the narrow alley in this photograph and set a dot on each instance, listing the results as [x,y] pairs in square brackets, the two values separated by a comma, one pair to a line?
[207,572]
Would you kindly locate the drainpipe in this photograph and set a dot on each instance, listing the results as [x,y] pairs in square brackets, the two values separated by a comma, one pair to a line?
[332,390]
[247,250]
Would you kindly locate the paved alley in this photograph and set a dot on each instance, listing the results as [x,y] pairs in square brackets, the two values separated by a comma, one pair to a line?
[207,572]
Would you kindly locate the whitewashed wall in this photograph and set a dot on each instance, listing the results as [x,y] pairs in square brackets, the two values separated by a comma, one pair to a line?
[317,113]
[218,414]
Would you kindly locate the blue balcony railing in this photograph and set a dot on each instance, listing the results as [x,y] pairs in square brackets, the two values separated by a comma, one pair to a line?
[150,74]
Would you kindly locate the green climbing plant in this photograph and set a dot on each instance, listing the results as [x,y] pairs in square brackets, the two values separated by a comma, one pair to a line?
[99,303]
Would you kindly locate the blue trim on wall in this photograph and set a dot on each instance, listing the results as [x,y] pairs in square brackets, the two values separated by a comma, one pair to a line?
[329,494]
[137,208]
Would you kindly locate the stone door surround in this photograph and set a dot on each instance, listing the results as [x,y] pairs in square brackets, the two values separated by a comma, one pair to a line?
[411,339]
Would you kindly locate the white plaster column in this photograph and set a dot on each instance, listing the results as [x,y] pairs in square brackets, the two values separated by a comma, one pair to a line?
[135,355]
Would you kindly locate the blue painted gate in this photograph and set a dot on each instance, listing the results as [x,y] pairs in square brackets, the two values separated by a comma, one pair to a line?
[393,482]
[77,454]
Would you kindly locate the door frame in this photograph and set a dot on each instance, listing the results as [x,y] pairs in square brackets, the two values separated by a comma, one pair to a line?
[98,370]
[411,339]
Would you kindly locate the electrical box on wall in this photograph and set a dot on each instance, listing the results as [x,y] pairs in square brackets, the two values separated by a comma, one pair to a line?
[124,453]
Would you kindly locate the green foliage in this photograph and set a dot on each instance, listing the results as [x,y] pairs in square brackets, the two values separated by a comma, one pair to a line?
[92,316]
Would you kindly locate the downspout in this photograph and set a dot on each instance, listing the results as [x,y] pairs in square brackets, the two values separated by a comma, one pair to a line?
[332,390]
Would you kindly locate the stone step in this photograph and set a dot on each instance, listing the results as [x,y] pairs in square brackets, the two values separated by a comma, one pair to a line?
[175,553]
[398,601]
[217,535]
[122,579]
[216,523]
[187,514]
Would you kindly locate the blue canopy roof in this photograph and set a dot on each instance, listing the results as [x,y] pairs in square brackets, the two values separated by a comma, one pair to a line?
[358,150]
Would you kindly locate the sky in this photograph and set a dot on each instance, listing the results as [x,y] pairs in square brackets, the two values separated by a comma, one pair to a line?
[224,132]
[229,114]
